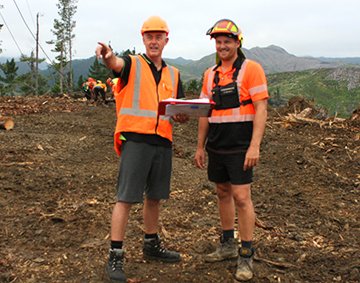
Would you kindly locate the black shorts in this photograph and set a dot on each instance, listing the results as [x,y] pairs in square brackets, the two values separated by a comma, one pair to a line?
[144,169]
[224,168]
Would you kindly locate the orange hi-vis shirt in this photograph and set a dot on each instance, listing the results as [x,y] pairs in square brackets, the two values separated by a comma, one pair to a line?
[251,83]
[101,85]
[137,102]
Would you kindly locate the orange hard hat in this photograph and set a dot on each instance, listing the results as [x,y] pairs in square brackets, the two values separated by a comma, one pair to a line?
[225,27]
[154,23]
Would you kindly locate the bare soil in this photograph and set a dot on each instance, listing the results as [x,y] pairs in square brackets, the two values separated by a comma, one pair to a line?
[57,188]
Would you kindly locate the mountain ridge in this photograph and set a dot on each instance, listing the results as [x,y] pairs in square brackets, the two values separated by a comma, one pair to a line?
[273,58]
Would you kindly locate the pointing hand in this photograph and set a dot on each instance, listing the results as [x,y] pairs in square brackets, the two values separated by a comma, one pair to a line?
[103,51]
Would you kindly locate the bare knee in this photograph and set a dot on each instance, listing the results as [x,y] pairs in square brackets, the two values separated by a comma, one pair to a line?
[152,202]
[223,191]
[243,202]
[122,206]
[242,197]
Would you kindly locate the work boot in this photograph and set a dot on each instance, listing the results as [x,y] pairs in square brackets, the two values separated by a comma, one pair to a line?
[153,249]
[244,270]
[114,267]
[226,250]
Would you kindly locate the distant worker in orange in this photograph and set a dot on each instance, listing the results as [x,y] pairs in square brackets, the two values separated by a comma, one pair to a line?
[86,90]
[91,82]
[112,83]
[144,140]
[232,136]
[99,90]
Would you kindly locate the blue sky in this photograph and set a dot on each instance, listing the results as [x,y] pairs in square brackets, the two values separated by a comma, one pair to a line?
[303,28]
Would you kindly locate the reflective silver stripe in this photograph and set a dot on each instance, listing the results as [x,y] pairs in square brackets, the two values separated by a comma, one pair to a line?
[258,89]
[235,111]
[232,118]
[163,117]
[210,81]
[172,76]
[240,76]
[166,118]
[138,112]
[136,97]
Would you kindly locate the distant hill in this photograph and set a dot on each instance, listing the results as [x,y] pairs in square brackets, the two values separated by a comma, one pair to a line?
[179,61]
[23,67]
[335,89]
[346,60]
[274,59]
[193,69]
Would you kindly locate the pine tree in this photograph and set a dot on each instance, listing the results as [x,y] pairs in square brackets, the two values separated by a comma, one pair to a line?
[98,71]
[27,81]
[63,31]
[69,25]
[1,25]
[80,82]
[9,80]
[193,86]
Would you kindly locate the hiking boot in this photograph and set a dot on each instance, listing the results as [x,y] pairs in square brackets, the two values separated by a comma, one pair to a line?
[226,250]
[114,267]
[244,270]
[153,249]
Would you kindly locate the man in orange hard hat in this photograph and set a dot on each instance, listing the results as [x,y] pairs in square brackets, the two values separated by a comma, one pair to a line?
[144,140]
[232,136]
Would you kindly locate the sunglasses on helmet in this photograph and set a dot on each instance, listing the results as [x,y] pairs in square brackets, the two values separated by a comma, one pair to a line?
[224,26]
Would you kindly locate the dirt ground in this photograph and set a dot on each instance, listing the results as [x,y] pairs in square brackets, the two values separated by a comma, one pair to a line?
[57,186]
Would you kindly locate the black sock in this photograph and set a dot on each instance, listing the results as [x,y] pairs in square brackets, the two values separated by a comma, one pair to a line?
[151,236]
[246,249]
[227,234]
[246,244]
[116,245]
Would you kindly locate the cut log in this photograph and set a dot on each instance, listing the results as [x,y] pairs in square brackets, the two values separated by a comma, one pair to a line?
[6,123]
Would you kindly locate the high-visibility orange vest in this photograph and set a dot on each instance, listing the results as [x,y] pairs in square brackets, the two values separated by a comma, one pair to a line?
[251,83]
[137,102]
[101,84]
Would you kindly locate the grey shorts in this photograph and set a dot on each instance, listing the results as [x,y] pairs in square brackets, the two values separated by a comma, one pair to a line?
[144,169]
[223,168]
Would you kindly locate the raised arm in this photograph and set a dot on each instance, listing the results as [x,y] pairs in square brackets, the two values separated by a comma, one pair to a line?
[108,57]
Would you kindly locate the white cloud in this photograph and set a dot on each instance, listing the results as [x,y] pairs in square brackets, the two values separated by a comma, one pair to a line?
[308,27]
